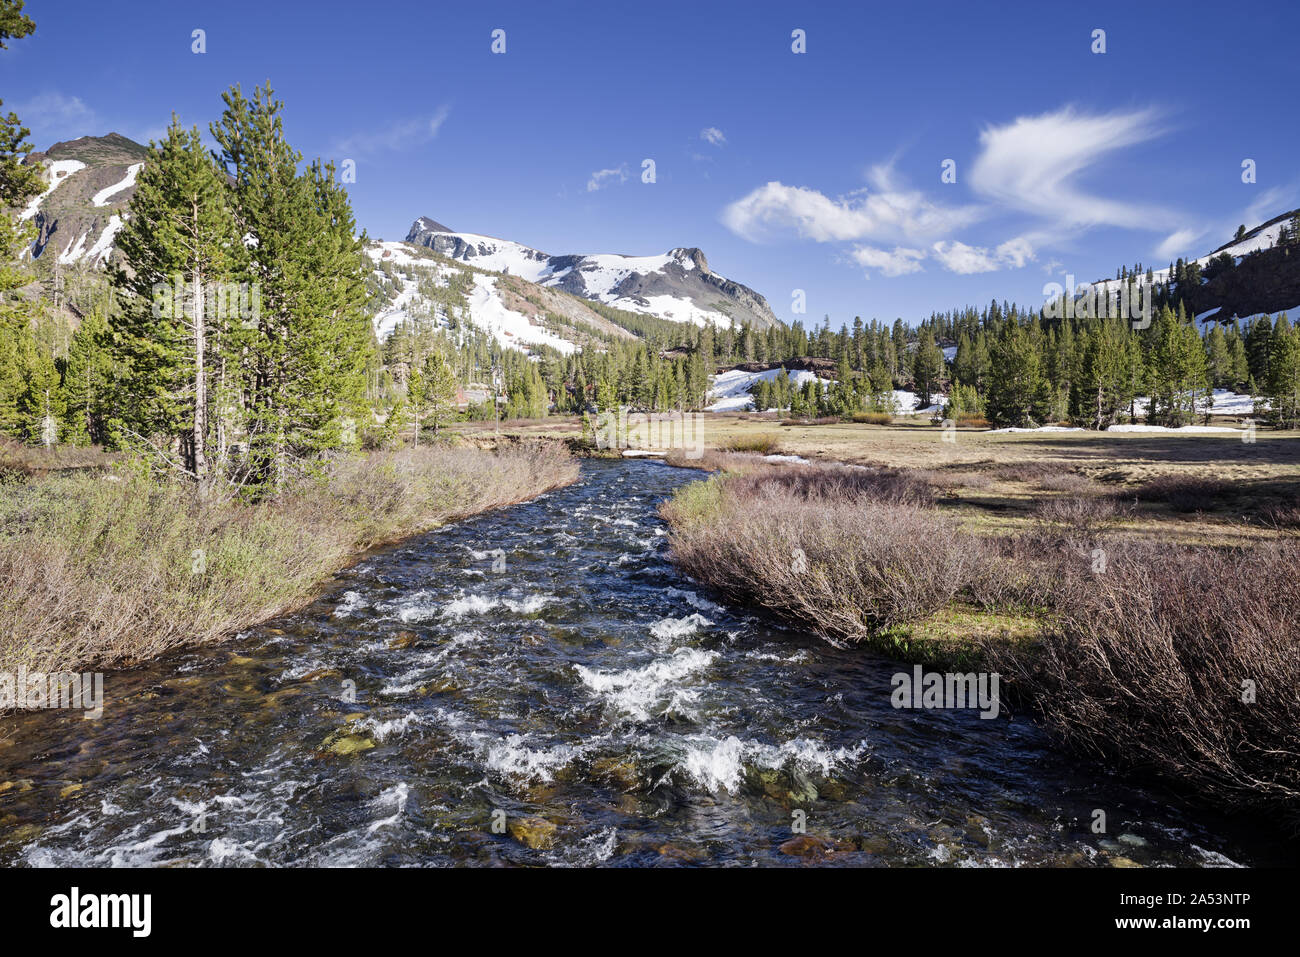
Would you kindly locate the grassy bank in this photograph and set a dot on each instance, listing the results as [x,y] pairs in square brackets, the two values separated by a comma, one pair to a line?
[1133,648]
[101,568]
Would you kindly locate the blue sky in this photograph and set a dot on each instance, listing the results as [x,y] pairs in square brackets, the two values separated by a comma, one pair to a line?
[818,171]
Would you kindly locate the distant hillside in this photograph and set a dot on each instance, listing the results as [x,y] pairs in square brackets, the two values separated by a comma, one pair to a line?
[1254,273]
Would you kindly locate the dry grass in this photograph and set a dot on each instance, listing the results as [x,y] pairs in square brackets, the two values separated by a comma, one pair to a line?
[105,570]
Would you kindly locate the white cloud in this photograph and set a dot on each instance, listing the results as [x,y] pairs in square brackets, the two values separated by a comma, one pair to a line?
[1033,168]
[399,135]
[888,212]
[603,177]
[1032,165]
[713,135]
[965,260]
[896,262]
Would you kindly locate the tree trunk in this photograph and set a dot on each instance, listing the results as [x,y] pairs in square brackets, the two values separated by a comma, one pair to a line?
[200,386]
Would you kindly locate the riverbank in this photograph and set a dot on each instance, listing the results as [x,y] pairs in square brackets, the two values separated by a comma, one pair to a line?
[105,568]
[615,711]
[1173,658]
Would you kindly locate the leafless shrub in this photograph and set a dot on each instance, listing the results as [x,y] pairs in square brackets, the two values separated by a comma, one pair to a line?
[835,484]
[947,480]
[1025,471]
[1184,493]
[1075,522]
[1071,483]
[839,561]
[1185,661]
[1282,518]
[820,420]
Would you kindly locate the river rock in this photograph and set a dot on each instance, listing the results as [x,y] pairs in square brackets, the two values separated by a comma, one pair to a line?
[616,772]
[532,832]
[403,639]
[676,852]
[345,744]
[810,845]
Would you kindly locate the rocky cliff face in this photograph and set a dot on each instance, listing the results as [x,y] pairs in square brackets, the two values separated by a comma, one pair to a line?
[678,285]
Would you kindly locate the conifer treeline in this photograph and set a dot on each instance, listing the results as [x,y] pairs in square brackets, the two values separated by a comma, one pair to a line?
[234,343]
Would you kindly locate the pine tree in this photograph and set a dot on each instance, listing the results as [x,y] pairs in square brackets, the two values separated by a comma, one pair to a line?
[177,243]
[1284,375]
[89,381]
[1019,393]
[307,350]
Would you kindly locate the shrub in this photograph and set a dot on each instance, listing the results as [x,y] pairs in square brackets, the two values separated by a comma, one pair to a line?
[1148,663]
[1025,471]
[851,554]
[1076,522]
[1069,482]
[762,442]
[873,418]
[821,420]
[1184,493]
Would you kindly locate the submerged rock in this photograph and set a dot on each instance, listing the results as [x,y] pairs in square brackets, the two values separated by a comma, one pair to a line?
[532,832]
[344,743]
[810,845]
[403,639]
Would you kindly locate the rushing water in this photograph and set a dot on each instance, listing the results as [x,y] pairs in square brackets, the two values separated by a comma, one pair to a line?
[584,696]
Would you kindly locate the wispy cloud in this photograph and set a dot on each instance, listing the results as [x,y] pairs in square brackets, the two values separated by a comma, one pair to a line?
[1033,165]
[604,177]
[399,135]
[713,136]
[1029,168]
[55,116]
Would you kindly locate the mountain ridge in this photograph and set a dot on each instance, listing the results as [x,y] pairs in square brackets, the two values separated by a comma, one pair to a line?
[677,285]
